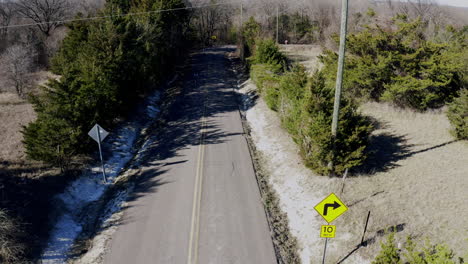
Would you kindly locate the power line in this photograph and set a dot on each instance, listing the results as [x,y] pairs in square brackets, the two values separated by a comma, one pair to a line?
[117,15]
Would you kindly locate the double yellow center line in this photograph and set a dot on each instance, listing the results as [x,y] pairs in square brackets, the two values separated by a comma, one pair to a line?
[195,223]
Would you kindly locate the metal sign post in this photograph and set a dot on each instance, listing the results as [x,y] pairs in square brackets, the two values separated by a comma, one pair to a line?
[100,155]
[99,134]
[329,208]
[327,231]
[325,250]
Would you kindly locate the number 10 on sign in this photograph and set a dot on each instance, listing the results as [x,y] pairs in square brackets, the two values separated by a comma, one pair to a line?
[328,231]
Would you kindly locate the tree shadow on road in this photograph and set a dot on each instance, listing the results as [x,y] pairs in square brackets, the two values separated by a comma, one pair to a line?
[180,128]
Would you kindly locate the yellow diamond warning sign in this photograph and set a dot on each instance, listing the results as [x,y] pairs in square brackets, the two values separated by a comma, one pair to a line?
[330,208]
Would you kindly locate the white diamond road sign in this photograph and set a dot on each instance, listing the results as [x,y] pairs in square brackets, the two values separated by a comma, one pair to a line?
[94,133]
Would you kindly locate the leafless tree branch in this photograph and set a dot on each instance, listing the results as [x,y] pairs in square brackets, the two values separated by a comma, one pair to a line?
[44,12]
[18,63]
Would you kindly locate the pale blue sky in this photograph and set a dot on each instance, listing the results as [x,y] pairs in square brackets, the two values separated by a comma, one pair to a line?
[463,3]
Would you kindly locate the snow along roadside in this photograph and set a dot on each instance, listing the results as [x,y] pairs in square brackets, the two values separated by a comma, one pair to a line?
[89,188]
[298,188]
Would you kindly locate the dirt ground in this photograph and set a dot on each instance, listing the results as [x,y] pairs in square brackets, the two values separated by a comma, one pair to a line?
[303,54]
[415,183]
[14,113]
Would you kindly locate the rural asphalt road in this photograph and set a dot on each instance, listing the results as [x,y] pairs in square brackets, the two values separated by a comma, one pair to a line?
[197,200]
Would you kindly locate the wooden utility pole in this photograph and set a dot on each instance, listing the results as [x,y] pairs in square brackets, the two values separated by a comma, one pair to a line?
[339,75]
[277,24]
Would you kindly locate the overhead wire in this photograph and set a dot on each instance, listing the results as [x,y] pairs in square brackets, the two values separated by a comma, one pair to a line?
[114,15]
[131,14]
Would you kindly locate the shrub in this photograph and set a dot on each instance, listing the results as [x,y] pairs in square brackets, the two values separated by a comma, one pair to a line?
[389,253]
[271,94]
[400,66]
[263,74]
[52,141]
[250,32]
[267,52]
[315,136]
[458,115]
[268,62]
[267,83]
[11,250]
[414,254]
[292,91]
[305,108]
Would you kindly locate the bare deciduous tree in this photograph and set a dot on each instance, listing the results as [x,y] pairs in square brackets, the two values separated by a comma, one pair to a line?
[418,8]
[45,13]
[7,11]
[208,20]
[86,6]
[18,63]
[390,4]
[421,8]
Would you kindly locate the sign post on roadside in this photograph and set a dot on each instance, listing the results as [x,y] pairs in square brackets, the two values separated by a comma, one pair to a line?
[329,208]
[99,134]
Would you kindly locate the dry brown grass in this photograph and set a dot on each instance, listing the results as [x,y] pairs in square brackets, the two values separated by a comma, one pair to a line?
[14,114]
[418,181]
[303,54]
[11,250]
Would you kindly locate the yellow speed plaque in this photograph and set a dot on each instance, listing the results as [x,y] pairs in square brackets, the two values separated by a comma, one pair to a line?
[328,231]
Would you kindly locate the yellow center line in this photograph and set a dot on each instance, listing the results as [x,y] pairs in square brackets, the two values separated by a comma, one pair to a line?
[195,224]
[197,230]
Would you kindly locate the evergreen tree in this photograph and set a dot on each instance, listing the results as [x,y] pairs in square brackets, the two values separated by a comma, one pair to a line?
[389,253]
[458,115]
[250,33]
[267,52]
[315,136]
[428,254]
[306,107]
[105,67]
[400,66]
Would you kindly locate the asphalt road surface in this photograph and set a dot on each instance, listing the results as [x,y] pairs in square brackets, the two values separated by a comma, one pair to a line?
[197,200]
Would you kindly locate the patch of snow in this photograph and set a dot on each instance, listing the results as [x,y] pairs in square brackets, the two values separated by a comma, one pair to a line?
[90,187]
[298,188]
[152,109]
[111,218]
[69,229]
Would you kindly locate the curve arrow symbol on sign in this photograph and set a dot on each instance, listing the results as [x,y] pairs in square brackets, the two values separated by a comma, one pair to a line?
[334,205]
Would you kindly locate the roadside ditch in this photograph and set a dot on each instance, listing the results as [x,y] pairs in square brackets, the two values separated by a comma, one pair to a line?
[285,244]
